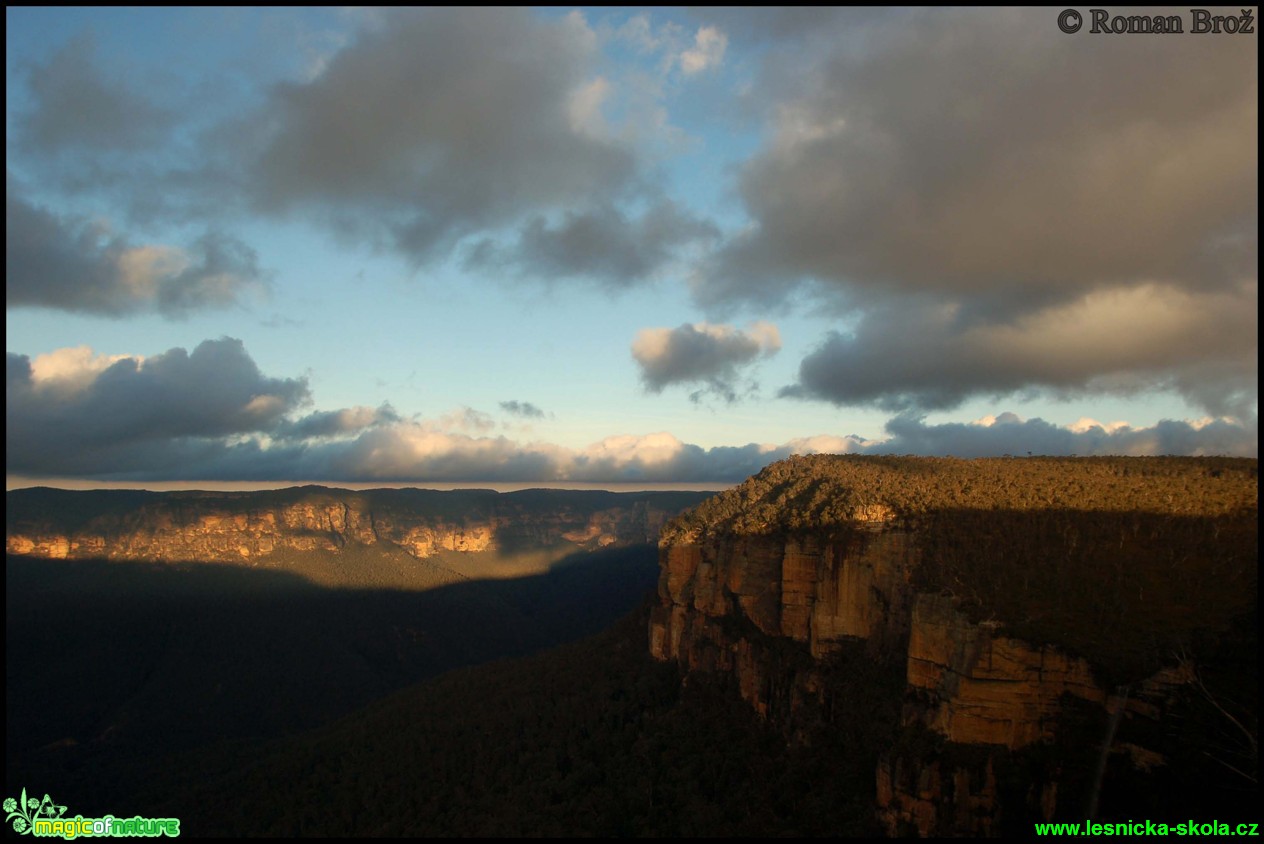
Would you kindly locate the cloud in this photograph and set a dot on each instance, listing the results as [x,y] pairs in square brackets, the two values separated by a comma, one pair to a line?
[645,35]
[669,44]
[914,164]
[1010,434]
[434,125]
[601,244]
[75,105]
[335,423]
[977,172]
[763,24]
[903,357]
[411,451]
[525,409]
[75,413]
[210,414]
[419,133]
[702,354]
[73,264]
[466,419]
[71,369]
[707,51]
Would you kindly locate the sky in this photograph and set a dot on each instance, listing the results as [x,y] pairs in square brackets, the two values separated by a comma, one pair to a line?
[617,246]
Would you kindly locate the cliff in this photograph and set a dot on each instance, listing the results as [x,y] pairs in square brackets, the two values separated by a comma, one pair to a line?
[266,526]
[1015,598]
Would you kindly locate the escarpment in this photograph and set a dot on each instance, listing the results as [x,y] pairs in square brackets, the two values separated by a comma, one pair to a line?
[252,526]
[1055,625]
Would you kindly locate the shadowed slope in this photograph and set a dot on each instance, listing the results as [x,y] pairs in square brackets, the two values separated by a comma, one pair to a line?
[128,661]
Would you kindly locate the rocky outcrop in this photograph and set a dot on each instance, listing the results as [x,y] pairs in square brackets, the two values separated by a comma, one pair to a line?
[232,527]
[815,591]
[730,605]
[976,687]
[741,591]
[982,687]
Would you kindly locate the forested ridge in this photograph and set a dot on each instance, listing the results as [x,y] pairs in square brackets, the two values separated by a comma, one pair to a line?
[825,491]
[1118,559]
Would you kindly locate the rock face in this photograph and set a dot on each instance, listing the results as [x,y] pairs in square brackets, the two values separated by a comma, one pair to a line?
[232,527]
[814,591]
[975,686]
[983,687]
[771,606]
[726,603]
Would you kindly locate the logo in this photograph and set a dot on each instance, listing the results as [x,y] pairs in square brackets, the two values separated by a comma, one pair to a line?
[46,819]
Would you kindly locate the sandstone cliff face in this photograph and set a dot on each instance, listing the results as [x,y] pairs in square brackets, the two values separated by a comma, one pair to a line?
[730,603]
[982,687]
[974,686]
[232,527]
[814,591]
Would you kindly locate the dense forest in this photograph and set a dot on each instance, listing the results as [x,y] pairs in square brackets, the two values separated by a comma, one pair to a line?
[825,491]
[589,739]
[592,738]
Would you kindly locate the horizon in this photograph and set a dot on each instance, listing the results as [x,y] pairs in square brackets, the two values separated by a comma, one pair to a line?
[90,485]
[613,246]
[260,486]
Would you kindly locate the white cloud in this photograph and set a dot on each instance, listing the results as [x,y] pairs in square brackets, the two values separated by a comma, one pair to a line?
[1085,424]
[707,50]
[649,450]
[72,369]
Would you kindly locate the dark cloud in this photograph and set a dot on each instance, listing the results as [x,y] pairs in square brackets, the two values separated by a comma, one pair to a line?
[525,409]
[902,356]
[71,413]
[702,354]
[73,264]
[1009,434]
[984,164]
[604,245]
[335,423]
[429,128]
[75,105]
[970,153]
[437,124]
